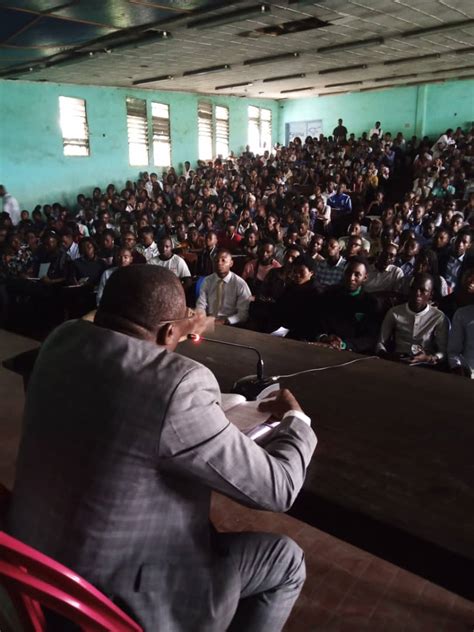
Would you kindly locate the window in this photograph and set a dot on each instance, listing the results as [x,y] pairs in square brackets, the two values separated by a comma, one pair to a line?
[222,131]
[137,126]
[160,114]
[74,128]
[260,129]
[205,136]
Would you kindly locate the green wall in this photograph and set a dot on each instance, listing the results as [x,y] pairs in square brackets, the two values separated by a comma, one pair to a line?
[32,164]
[422,110]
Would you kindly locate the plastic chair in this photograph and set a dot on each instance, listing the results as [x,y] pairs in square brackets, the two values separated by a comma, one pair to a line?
[32,579]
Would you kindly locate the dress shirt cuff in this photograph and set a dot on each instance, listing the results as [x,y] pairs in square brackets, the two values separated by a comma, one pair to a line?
[233,320]
[455,361]
[299,415]
[440,355]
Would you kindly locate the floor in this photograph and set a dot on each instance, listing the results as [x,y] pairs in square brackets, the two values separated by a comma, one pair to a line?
[347,589]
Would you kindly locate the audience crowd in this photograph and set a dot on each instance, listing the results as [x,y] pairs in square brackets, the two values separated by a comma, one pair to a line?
[362,244]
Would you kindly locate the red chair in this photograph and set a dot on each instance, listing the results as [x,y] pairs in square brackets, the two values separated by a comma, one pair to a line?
[32,579]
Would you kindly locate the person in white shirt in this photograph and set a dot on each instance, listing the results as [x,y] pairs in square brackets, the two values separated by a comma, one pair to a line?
[175,263]
[419,331]
[443,141]
[147,246]
[461,342]
[376,131]
[124,259]
[384,275]
[70,246]
[10,205]
[223,294]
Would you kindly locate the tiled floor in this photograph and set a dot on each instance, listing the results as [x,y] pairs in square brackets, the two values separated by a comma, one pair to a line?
[346,589]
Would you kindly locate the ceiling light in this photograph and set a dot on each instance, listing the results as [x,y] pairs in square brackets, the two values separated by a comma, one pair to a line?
[297,90]
[351,45]
[329,71]
[406,60]
[301,75]
[148,37]
[234,85]
[345,83]
[440,28]
[269,60]
[229,17]
[139,82]
[206,71]
[456,69]
[394,77]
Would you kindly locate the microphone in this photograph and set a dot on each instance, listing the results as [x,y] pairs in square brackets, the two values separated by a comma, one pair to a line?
[249,386]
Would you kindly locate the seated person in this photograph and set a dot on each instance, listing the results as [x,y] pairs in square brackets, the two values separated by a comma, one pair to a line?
[121,492]
[354,230]
[384,275]
[256,270]
[407,253]
[147,246]
[107,250]
[230,238]
[223,294]
[294,307]
[354,247]
[123,259]
[175,263]
[426,262]
[130,241]
[463,295]
[330,271]
[205,259]
[69,244]
[418,330]
[346,316]
[88,269]
[458,259]
[461,342]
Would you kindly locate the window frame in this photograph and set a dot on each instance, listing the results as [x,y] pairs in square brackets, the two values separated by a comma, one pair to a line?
[137,123]
[165,123]
[75,123]
[259,124]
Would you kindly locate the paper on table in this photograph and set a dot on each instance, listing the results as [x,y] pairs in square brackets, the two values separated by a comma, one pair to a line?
[246,416]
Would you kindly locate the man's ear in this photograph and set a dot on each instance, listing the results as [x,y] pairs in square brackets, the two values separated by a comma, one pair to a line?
[231,262]
[165,335]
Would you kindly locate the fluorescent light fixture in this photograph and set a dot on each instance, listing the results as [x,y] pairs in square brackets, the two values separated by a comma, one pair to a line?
[300,75]
[297,90]
[395,77]
[140,82]
[234,85]
[345,83]
[351,45]
[206,71]
[330,71]
[230,17]
[71,60]
[440,28]
[330,94]
[406,60]
[269,60]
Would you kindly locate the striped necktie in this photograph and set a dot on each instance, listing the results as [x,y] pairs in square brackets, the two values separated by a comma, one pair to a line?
[218,300]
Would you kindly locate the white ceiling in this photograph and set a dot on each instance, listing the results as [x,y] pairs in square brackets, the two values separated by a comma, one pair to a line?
[350,21]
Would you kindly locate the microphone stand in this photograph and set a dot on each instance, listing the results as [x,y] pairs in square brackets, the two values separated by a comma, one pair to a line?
[249,386]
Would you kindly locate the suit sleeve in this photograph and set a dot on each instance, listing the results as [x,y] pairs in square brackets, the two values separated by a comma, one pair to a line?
[203,299]
[388,328]
[198,441]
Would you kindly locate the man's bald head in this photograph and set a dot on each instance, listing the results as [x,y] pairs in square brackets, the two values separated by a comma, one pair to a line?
[141,296]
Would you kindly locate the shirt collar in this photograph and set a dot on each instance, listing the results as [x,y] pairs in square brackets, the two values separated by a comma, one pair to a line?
[423,311]
[227,278]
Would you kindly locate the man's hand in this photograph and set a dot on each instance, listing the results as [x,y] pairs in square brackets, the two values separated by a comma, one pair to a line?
[424,357]
[197,323]
[281,404]
[221,321]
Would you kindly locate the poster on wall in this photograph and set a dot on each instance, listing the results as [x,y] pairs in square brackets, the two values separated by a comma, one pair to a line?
[302,129]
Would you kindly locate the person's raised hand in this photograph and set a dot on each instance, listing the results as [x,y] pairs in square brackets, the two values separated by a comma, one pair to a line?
[196,323]
[279,405]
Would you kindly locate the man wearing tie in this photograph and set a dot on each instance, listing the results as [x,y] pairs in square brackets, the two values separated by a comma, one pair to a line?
[224,294]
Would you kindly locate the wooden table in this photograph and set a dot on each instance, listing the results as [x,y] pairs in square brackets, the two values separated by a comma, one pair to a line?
[395,442]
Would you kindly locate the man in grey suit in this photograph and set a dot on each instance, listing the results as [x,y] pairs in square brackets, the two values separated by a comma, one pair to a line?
[123,441]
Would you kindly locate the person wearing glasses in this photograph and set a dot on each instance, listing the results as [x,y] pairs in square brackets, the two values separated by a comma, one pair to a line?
[117,485]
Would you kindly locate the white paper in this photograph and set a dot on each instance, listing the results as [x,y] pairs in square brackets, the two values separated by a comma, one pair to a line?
[43,270]
[246,416]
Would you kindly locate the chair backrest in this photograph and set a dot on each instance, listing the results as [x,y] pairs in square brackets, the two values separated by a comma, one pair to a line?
[33,579]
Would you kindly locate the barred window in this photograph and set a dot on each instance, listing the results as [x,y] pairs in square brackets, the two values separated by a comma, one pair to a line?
[259,129]
[160,113]
[205,135]
[74,128]
[137,126]
[222,131]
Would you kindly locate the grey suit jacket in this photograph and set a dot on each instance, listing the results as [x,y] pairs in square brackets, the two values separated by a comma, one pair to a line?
[122,444]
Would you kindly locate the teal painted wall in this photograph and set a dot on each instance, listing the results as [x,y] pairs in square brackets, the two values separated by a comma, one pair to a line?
[421,110]
[32,164]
